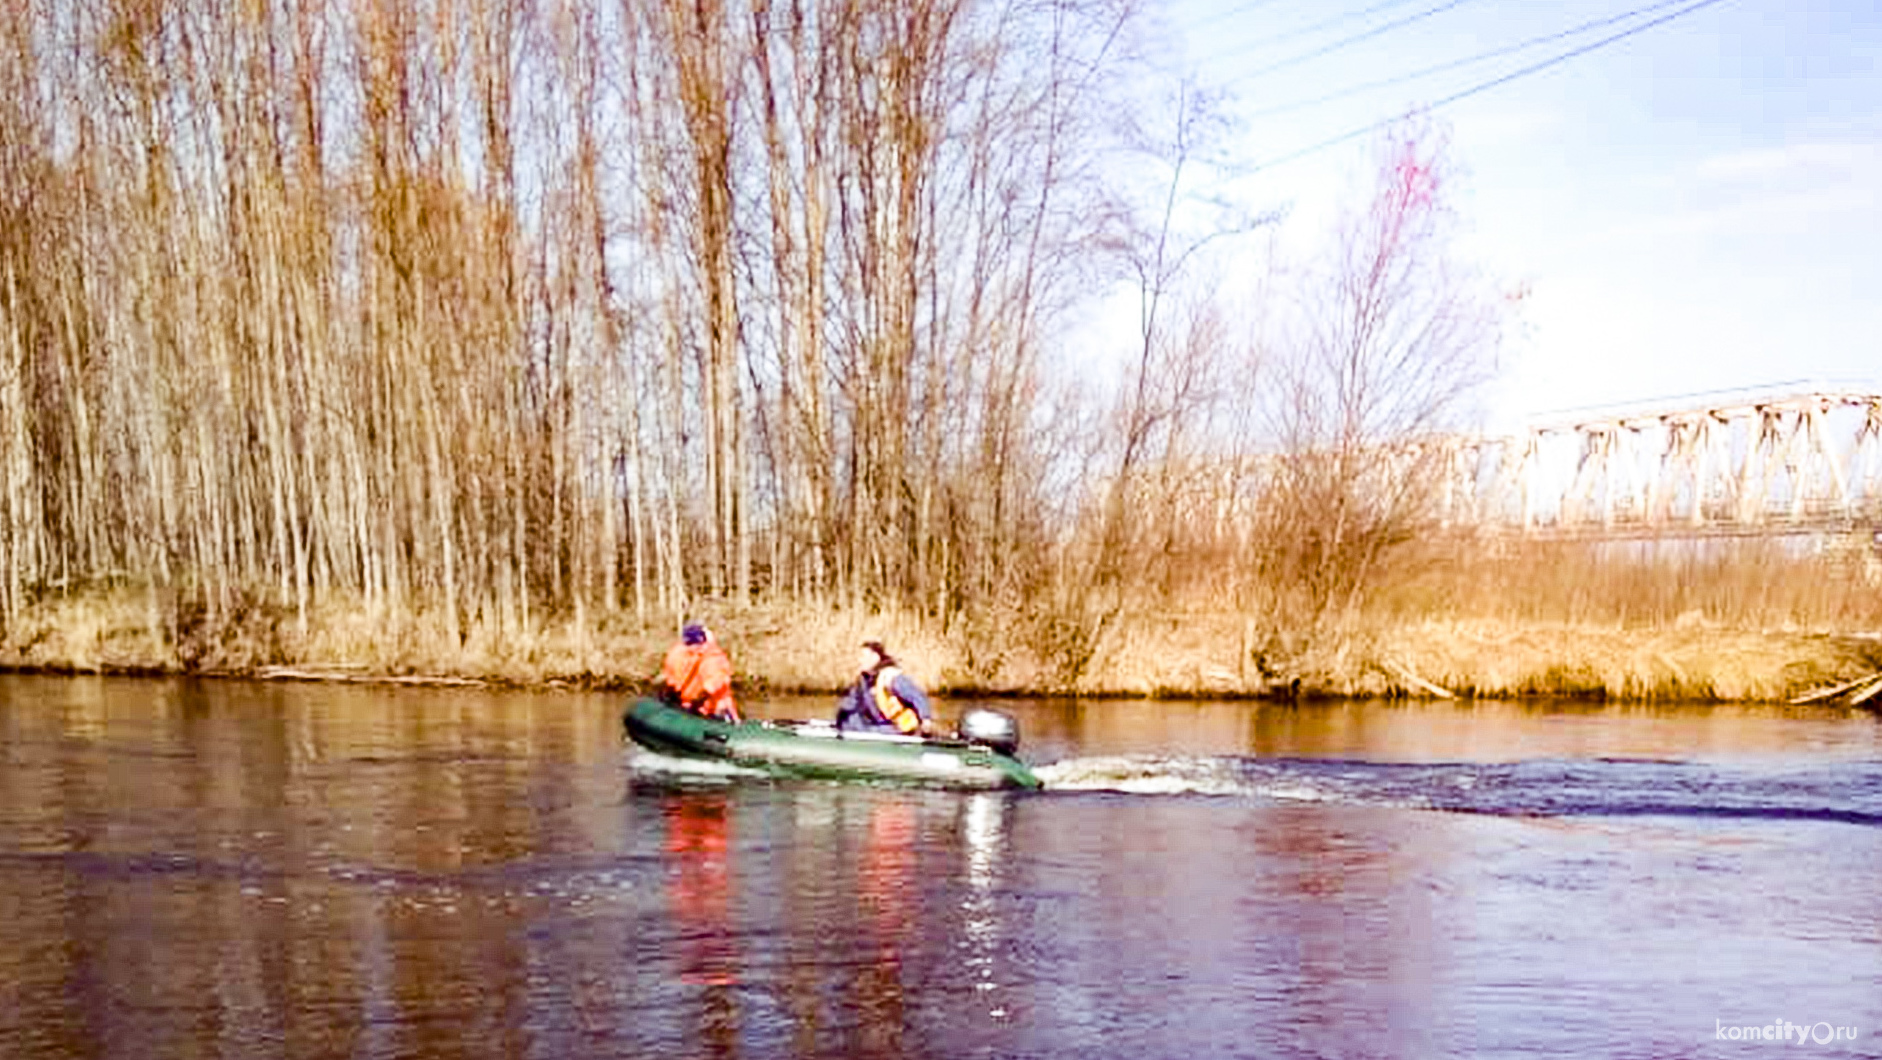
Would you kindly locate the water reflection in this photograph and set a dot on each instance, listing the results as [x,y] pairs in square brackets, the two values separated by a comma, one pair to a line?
[890,908]
[699,889]
[984,835]
[700,885]
[817,919]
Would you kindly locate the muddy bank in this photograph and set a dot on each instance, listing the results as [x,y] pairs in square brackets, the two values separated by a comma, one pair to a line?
[1209,655]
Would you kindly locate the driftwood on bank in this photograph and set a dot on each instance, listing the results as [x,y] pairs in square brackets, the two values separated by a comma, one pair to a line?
[1860,691]
[288,673]
[1405,673]
[1867,693]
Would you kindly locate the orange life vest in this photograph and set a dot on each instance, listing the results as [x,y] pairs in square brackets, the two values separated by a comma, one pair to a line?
[906,719]
[701,676]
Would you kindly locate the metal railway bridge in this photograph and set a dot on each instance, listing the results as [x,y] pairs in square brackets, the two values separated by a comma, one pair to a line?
[1782,461]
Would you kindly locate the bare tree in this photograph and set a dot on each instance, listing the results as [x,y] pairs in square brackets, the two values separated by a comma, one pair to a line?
[417,307]
[1395,339]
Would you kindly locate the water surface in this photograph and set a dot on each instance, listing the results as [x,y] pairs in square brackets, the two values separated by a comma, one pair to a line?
[260,870]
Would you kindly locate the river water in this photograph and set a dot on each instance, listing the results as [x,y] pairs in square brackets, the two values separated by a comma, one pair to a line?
[234,869]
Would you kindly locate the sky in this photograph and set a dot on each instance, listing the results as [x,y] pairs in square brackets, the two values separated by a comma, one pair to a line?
[1695,208]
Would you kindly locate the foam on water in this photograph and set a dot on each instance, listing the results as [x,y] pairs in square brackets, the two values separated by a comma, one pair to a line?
[1145,775]
[1280,780]
[1848,792]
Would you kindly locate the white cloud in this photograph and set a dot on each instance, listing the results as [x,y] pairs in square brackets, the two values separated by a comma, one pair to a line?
[1791,210]
[1795,160]
[1822,192]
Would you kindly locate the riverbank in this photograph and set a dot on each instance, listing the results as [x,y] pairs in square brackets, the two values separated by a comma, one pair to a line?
[1162,654]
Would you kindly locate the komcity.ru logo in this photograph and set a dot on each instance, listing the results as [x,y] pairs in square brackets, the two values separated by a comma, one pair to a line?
[1784,1031]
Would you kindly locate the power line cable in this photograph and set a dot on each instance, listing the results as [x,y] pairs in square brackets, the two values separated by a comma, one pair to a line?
[1232,12]
[1455,64]
[1346,42]
[1301,31]
[1482,86]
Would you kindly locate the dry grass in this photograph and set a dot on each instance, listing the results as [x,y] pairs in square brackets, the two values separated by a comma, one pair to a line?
[1168,652]
[1227,655]
[1833,583]
[785,649]
[1690,661]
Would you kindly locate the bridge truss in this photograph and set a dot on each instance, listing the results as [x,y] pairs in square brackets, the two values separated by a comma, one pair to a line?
[1771,464]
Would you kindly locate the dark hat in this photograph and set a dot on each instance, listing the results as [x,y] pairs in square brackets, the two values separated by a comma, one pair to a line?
[694,633]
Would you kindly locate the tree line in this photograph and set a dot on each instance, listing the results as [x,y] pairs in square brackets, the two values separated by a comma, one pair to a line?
[490,310]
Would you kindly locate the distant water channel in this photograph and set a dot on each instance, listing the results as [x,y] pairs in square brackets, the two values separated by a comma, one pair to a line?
[234,869]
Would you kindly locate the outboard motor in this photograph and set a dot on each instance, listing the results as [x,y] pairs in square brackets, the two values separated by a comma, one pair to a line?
[991,729]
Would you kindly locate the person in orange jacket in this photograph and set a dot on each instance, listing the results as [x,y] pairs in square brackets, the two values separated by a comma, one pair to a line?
[697,675]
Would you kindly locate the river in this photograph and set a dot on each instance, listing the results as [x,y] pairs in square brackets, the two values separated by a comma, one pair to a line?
[251,869]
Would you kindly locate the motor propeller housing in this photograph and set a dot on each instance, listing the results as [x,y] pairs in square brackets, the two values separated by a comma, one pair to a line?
[990,729]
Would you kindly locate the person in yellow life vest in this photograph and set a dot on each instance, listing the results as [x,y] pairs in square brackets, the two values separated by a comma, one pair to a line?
[884,699]
[697,675]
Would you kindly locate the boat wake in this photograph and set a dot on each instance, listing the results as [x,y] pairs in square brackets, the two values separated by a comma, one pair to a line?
[1148,775]
[653,764]
[1848,792]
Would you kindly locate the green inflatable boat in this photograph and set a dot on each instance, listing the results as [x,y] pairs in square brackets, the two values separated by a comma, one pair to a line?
[982,758]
